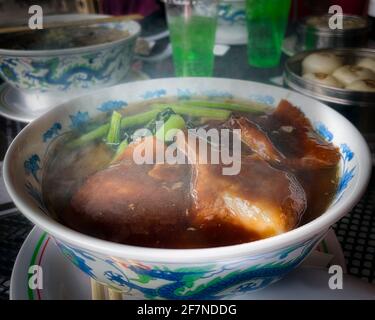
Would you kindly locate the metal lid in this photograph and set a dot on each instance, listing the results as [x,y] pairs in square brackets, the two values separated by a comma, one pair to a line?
[320,24]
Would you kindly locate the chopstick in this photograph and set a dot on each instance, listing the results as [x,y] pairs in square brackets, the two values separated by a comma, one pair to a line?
[79,23]
[101,292]
[114,295]
[97,290]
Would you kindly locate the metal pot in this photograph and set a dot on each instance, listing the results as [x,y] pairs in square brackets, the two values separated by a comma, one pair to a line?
[293,78]
[357,106]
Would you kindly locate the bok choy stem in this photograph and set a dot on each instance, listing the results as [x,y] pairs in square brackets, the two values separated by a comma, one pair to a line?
[126,122]
[113,136]
[253,107]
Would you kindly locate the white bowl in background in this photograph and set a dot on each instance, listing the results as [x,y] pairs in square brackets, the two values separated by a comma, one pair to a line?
[71,70]
[231,23]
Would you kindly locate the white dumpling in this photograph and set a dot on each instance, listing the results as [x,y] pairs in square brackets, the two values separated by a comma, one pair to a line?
[321,62]
[362,85]
[348,74]
[323,78]
[368,63]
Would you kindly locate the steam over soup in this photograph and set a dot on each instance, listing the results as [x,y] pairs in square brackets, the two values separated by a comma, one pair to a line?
[287,174]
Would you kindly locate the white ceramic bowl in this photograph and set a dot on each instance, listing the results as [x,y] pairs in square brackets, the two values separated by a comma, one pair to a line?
[194,273]
[231,22]
[71,70]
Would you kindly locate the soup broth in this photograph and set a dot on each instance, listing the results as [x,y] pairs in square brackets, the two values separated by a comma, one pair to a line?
[288,176]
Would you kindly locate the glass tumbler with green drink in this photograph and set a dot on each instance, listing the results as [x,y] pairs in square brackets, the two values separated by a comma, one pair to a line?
[192,28]
[266,24]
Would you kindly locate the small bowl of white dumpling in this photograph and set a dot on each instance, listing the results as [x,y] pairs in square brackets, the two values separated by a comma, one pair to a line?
[342,76]
[329,69]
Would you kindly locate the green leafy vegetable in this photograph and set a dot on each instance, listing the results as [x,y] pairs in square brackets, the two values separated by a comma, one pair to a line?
[161,116]
[210,113]
[169,128]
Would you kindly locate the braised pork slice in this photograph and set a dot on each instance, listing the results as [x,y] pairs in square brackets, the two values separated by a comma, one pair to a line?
[261,199]
[286,137]
[257,139]
[132,203]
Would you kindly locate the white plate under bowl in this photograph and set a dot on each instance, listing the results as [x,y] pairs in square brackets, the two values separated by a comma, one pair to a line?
[25,107]
[61,280]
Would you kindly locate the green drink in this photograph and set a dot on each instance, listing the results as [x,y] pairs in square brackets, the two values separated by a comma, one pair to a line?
[192,30]
[266,24]
[192,44]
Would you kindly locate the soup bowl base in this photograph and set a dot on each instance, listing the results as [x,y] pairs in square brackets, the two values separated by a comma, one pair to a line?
[65,281]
